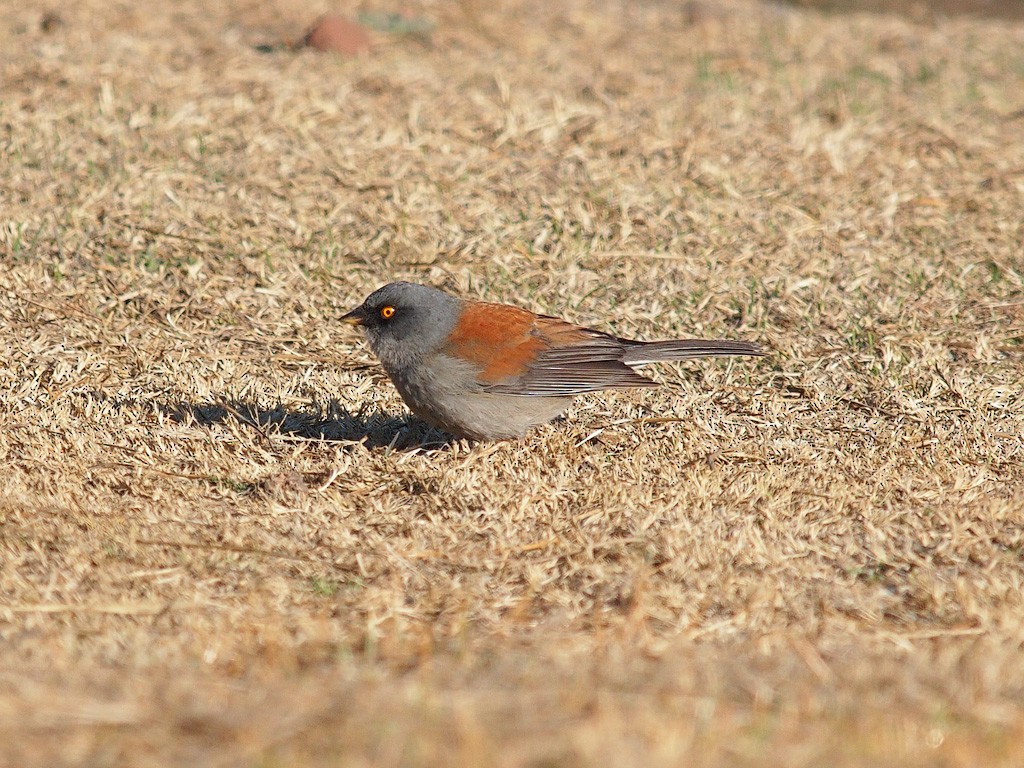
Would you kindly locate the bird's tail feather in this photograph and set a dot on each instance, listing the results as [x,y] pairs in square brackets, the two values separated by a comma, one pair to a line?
[641,352]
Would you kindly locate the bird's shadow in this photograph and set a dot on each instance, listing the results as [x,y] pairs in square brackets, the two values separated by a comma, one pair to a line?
[374,429]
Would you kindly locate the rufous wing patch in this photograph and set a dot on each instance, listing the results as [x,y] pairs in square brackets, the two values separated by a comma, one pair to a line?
[505,340]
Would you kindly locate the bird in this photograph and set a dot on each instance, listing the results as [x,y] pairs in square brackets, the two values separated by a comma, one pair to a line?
[489,372]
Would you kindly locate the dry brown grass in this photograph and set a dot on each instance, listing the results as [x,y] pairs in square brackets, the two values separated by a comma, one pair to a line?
[221,542]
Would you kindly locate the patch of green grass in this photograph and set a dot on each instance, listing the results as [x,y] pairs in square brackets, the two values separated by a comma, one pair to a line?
[324,587]
[710,76]
[926,73]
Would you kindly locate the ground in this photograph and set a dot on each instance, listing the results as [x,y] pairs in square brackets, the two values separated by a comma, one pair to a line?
[224,542]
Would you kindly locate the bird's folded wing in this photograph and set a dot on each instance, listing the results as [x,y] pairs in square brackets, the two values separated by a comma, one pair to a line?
[520,353]
[554,377]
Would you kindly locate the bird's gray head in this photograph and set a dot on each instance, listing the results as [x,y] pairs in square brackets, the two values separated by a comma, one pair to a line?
[404,321]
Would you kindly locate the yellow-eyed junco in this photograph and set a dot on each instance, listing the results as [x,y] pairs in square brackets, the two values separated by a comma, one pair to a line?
[493,371]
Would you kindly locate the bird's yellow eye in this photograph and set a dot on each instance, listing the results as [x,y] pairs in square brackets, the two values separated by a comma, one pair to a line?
[387,312]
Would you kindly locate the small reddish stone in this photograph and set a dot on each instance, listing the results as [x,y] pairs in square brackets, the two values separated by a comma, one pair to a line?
[338,34]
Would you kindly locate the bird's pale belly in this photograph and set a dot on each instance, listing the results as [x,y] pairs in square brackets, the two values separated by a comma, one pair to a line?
[445,394]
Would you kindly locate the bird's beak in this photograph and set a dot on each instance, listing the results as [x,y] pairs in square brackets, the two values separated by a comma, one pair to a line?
[356,317]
